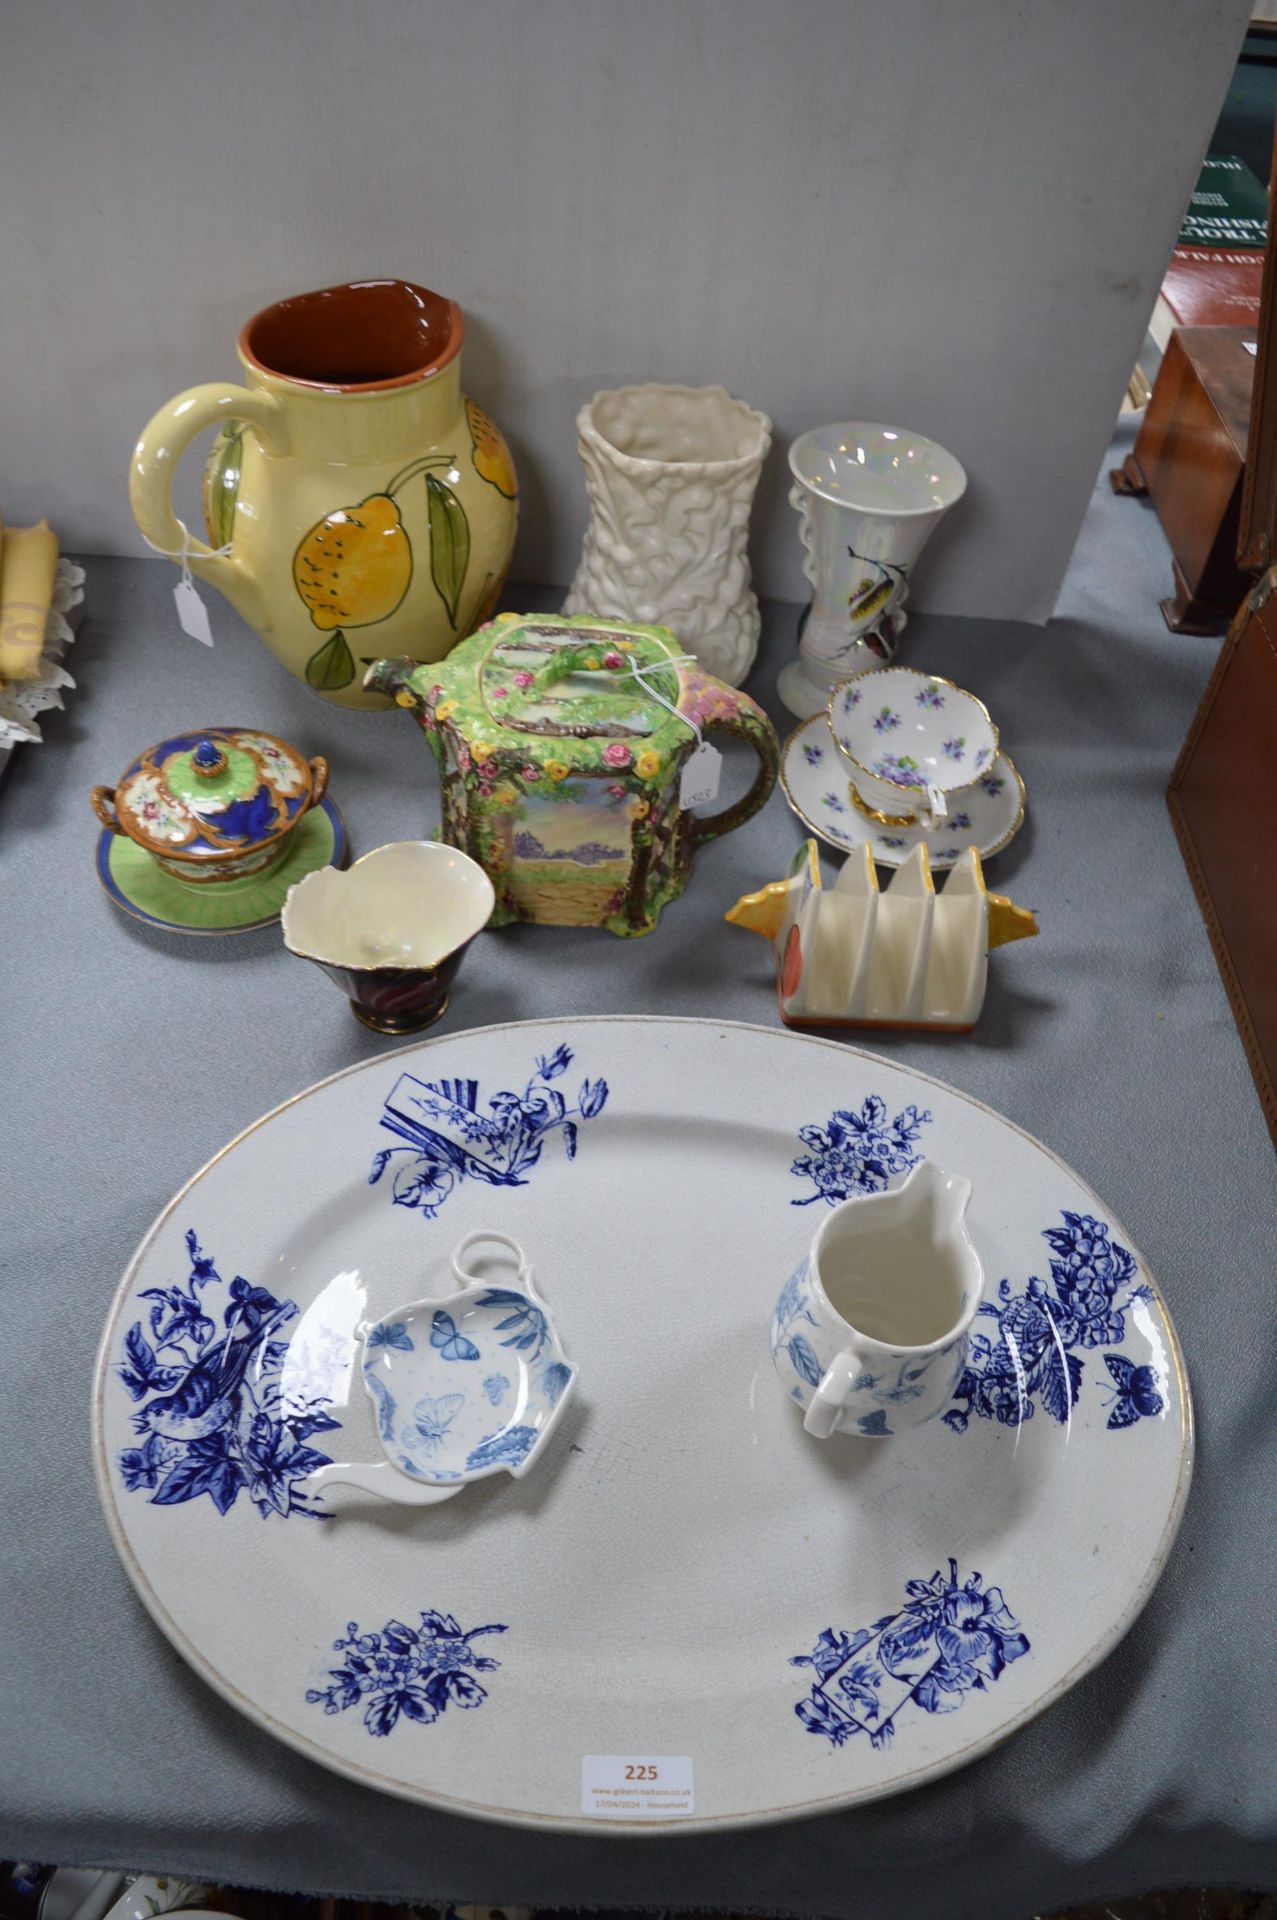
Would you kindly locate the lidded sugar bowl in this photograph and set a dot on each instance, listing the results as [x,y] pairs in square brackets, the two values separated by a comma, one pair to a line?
[217,804]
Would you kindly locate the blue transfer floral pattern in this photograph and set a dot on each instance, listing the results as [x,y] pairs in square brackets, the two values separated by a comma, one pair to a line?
[858,1152]
[413,1672]
[791,1314]
[949,1639]
[929,696]
[1032,1350]
[886,720]
[992,783]
[813,755]
[450,1141]
[959,822]
[955,748]
[834,804]
[892,839]
[215,1416]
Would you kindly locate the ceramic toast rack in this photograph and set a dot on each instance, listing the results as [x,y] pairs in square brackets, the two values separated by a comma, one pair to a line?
[903,956]
[462,1387]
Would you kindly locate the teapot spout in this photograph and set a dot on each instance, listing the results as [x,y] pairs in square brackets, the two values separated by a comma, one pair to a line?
[393,677]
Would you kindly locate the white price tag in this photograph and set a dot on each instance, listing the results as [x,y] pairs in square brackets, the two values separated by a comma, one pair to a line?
[700,777]
[620,1786]
[192,614]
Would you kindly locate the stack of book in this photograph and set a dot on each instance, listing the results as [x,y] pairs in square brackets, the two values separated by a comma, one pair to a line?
[1218,263]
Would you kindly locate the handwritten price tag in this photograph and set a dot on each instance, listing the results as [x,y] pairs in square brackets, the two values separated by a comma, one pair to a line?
[700,776]
[618,1786]
[192,614]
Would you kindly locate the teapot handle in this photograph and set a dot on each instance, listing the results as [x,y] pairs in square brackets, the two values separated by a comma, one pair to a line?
[482,1237]
[164,439]
[749,723]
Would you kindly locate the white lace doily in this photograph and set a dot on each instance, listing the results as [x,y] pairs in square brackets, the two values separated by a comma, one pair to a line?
[21,700]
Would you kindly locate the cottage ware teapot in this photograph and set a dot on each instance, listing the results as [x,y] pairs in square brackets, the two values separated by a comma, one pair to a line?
[561,745]
[356,502]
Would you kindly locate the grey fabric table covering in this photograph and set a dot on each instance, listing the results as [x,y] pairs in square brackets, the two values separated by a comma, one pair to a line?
[129,1058]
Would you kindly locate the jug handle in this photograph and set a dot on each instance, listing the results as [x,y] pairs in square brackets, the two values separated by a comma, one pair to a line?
[798,501]
[163,441]
[830,1397]
[748,723]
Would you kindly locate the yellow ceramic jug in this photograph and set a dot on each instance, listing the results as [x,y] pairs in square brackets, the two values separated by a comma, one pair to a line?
[366,506]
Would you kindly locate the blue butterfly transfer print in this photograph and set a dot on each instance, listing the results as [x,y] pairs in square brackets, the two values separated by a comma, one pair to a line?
[394,1335]
[1031,1354]
[1135,1392]
[216,1416]
[950,1638]
[431,1419]
[449,1141]
[858,1152]
[415,1673]
[451,1344]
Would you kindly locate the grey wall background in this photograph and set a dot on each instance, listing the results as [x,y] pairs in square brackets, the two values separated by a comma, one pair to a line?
[951,214]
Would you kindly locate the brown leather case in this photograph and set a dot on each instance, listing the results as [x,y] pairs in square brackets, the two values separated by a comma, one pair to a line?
[1216,788]
[1228,844]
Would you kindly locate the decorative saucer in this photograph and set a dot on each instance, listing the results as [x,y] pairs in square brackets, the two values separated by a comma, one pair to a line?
[816,787]
[143,889]
[461,1387]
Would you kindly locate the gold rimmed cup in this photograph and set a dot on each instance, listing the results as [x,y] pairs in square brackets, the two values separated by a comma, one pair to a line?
[908,735]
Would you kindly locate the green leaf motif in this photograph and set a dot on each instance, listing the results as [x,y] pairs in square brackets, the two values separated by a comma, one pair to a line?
[222,482]
[330,666]
[449,543]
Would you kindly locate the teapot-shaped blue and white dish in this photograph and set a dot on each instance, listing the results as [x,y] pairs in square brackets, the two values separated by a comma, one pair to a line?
[462,1387]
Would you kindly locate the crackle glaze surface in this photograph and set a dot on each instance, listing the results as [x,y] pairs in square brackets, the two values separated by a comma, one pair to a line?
[920,1598]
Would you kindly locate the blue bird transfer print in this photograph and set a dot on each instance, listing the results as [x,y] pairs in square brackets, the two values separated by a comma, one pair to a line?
[1030,1354]
[949,1639]
[413,1672]
[449,1141]
[215,1416]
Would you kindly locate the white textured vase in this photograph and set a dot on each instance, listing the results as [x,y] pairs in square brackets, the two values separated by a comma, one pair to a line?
[670,473]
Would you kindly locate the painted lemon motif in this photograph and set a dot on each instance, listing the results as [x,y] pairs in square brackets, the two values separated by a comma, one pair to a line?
[491,455]
[354,566]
